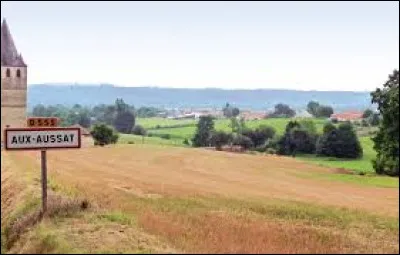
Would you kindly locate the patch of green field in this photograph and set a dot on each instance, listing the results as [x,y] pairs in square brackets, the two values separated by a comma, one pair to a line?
[135,139]
[151,123]
[363,164]
[187,132]
[365,180]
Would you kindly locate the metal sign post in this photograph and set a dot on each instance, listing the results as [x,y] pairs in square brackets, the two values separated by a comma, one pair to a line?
[42,139]
[44,181]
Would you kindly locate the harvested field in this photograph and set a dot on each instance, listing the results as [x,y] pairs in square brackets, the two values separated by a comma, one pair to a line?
[198,200]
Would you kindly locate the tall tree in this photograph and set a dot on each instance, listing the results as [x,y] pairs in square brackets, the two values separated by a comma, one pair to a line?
[386,141]
[204,131]
[312,107]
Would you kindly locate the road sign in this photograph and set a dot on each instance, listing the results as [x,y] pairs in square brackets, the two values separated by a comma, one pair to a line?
[40,122]
[42,138]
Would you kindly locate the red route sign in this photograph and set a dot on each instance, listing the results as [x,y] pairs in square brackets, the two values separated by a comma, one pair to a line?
[39,122]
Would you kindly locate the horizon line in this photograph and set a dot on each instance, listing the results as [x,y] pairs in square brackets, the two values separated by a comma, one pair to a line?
[76,84]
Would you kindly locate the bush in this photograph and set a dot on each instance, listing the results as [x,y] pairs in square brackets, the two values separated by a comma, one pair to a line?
[364,123]
[297,139]
[186,142]
[271,151]
[165,136]
[242,141]
[220,138]
[139,130]
[339,142]
[334,121]
[103,135]
[260,135]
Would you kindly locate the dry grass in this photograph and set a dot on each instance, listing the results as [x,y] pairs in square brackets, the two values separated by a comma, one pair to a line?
[152,199]
[224,233]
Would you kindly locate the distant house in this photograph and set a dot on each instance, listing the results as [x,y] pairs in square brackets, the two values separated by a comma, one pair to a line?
[247,115]
[347,116]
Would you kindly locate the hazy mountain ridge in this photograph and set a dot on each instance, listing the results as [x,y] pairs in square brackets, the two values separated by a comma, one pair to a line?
[258,99]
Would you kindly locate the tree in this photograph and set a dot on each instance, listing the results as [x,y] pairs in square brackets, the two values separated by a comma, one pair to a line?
[124,122]
[312,108]
[367,113]
[319,111]
[220,138]
[139,130]
[230,111]
[386,141]
[328,127]
[260,135]
[205,128]
[39,111]
[237,125]
[341,142]
[125,119]
[324,111]
[103,135]
[374,120]
[243,141]
[283,110]
[84,119]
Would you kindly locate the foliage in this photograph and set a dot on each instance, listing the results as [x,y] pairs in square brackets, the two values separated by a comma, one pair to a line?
[374,120]
[230,111]
[125,118]
[103,135]
[139,130]
[283,110]
[205,128]
[312,108]
[339,142]
[297,139]
[147,112]
[243,141]
[387,139]
[367,113]
[259,135]
[324,111]
[220,138]
[319,111]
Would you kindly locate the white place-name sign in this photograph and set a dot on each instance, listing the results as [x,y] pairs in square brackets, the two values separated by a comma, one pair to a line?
[42,138]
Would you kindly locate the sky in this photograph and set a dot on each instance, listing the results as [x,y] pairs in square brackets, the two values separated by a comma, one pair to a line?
[351,46]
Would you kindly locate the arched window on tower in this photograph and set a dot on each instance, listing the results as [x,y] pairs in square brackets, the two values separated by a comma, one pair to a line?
[18,73]
[8,73]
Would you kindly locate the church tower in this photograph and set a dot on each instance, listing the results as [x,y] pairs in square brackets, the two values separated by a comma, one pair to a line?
[13,83]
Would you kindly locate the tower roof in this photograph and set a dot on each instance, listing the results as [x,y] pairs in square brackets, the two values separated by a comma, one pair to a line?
[9,53]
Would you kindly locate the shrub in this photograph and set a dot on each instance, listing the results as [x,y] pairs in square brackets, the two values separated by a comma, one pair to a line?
[364,123]
[186,142]
[334,121]
[341,143]
[260,135]
[220,138]
[243,141]
[165,136]
[271,151]
[139,130]
[103,135]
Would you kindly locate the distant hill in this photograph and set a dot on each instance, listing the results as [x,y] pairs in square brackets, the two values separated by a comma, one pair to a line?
[259,99]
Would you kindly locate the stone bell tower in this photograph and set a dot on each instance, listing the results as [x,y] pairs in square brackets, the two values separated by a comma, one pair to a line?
[13,83]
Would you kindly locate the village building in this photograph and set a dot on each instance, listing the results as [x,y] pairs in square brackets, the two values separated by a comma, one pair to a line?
[347,116]
[13,83]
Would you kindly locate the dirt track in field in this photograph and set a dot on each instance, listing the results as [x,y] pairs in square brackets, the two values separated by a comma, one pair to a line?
[151,170]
